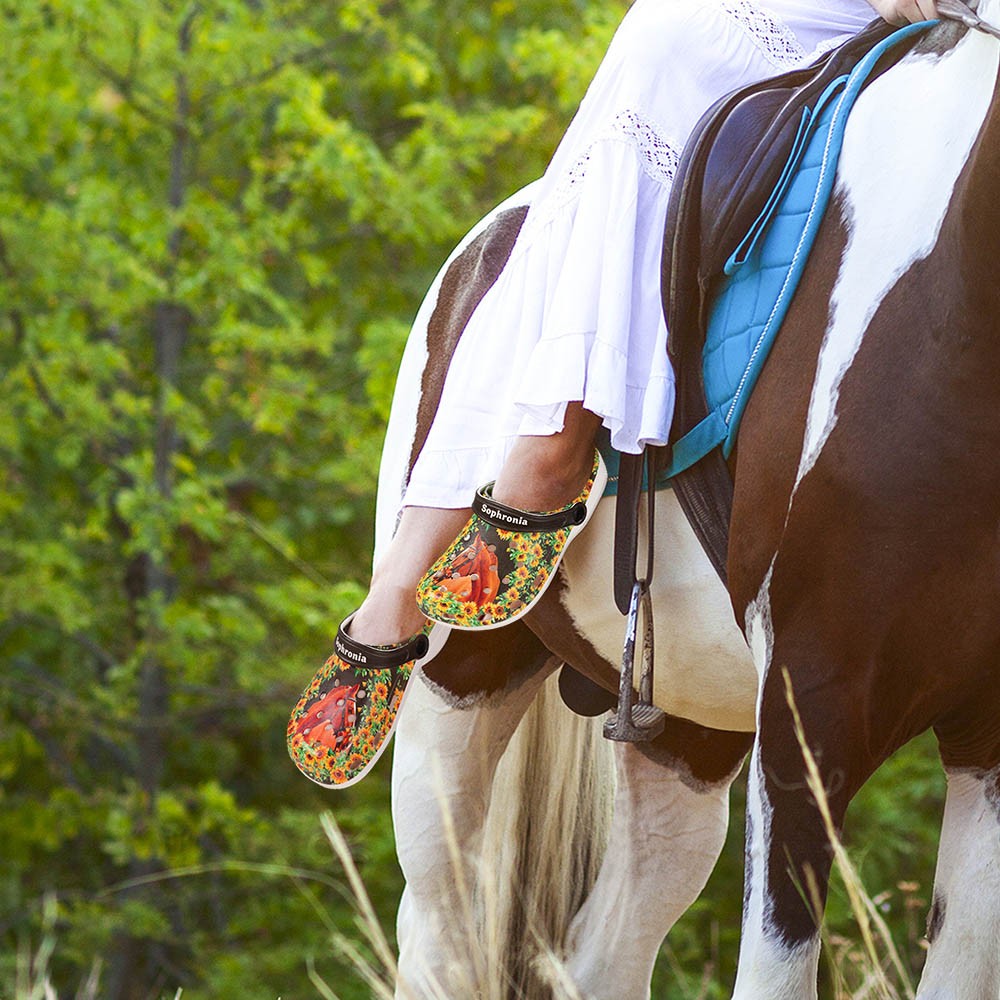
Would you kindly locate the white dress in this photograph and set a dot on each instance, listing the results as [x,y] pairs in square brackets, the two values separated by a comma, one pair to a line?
[576,312]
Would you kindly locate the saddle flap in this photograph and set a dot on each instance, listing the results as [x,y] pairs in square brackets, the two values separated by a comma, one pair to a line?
[728,209]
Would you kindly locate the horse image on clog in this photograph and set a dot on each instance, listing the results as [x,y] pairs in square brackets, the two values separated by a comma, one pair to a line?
[329,721]
[504,560]
[472,576]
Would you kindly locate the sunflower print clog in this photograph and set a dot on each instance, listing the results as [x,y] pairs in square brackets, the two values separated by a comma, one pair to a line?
[344,719]
[503,561]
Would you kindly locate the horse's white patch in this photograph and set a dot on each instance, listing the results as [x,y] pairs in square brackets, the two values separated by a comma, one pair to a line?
[988,10]
[665,840]
[760,631]
[774,970]
[442,776]
[703,670]
[756,918]
[906,143]
[963,959]
[767,967]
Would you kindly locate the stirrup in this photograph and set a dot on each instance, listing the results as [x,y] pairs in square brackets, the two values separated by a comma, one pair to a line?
[636,721]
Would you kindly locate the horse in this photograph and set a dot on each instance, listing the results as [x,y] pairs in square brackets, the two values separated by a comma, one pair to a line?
[863,575]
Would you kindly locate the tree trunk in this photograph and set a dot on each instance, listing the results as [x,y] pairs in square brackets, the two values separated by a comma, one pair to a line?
[135,968]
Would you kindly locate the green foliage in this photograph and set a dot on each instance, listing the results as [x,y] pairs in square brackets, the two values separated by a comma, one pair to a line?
[216,221]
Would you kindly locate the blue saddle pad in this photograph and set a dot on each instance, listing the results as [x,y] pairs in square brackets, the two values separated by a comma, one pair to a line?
[763,272]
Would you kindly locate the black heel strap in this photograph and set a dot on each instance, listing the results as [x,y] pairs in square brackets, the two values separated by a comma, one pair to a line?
[364,657]
[511,519]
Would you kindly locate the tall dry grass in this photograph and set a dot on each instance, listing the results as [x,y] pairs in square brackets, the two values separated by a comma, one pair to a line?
[478,975]
[32,981]
[865,966]
[869,968]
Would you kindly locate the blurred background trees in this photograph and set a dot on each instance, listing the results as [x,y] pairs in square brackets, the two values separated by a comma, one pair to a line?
[217,219]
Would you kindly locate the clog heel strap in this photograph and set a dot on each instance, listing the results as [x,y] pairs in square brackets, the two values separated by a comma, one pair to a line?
[344,719]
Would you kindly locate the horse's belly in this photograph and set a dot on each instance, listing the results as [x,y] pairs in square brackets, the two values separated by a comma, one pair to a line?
[704,671]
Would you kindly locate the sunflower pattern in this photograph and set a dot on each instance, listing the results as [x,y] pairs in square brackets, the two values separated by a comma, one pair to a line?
[489,575]
[529,558]
[343,719]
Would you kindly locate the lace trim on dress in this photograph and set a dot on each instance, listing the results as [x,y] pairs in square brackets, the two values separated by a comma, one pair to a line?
[658,157]
[776,41]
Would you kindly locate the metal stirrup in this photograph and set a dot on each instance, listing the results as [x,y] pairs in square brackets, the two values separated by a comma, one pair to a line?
[637,721]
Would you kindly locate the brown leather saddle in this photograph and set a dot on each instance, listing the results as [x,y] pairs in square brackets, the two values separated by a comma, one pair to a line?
[731,164]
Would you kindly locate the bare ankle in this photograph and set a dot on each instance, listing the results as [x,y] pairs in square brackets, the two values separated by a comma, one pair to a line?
[387,615]
[538,486]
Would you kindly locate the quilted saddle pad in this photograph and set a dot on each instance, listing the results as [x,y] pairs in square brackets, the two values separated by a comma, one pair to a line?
[763,272]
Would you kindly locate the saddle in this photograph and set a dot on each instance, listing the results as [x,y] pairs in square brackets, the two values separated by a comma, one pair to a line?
[729,171]
[733,173]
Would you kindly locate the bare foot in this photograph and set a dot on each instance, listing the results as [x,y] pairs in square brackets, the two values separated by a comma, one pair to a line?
[389,613]
[387,616]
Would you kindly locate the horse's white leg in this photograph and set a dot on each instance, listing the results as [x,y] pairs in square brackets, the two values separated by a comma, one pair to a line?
[964,925]
[443,767]
[668,830]
[769,966]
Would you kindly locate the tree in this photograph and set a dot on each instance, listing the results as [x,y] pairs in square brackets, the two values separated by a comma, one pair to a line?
[217,219]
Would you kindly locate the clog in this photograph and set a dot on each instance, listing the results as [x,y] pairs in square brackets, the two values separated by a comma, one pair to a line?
[345,718]
[504,559]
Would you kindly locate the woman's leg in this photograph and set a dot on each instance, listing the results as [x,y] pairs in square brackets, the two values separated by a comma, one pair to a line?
[389,612]
[546,473]
[540,474]
[343,721]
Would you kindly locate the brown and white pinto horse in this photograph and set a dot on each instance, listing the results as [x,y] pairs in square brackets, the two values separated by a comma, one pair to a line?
[864,559]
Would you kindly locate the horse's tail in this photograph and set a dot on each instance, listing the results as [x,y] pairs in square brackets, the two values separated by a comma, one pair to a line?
[544,839]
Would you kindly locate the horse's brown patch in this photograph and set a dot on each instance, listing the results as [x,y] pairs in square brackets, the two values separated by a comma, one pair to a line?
[773,427]
[554,626]
[702,757]
[885,578]
[481,663]
[468,278]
